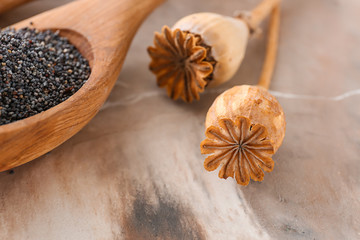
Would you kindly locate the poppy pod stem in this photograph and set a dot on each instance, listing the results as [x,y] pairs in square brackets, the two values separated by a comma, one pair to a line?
[271,49]
[262,11]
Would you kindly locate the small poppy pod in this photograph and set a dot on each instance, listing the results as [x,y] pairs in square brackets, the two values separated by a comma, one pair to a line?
[202,49]
[245,126]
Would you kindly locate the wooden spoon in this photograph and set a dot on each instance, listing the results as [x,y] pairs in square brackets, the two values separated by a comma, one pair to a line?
[102,31]
[6,5]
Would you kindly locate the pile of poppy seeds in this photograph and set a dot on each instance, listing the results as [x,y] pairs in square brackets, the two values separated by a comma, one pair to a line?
[38,70]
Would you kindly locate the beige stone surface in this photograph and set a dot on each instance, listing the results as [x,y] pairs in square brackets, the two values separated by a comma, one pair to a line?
[135,171]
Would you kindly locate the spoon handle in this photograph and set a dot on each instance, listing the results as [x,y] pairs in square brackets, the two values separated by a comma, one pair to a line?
[111,23]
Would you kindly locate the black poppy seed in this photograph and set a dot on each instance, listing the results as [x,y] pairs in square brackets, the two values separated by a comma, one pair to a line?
[38,70]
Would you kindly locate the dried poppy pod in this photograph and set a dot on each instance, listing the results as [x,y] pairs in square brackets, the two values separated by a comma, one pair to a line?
[245,126]
[227,37]
[202,49]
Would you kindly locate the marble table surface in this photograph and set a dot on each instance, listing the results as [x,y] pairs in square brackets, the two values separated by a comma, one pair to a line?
[136,172]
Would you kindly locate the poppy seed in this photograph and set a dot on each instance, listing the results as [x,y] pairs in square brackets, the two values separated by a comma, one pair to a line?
[38,70]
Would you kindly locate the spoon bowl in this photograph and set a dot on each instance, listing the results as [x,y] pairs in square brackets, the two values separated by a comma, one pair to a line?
[102,31]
